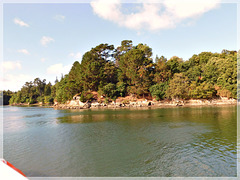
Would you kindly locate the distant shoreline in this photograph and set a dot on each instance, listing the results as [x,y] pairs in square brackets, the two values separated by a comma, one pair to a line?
[76,104]
[155,105]
[141,104]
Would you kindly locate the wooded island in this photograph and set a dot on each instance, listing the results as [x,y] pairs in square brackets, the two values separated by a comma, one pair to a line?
[129,70]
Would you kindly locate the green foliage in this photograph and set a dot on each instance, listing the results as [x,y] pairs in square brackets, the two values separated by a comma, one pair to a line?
[5,97]
[121,88]
[162,72]
[12,99]
[110,73]
[158,90]
[106,100]
[15,99]
[136,69]
[178,87]
[32,92]
[174,65]
[129,69]
[74,79]
[126,45]
[100,92]
[89,97]
[40,99]
[86,96]
[82,98]
[47,89]
[110,90]
[203,90]
[31,101]
[194,73]
[48,99]
[96,68]
[40,85]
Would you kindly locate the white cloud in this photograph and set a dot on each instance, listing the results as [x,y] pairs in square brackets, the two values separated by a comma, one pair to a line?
[46,40]
[77,55]
[188,10]
[14,82]
[20,22]
[58,69]
[153,16]
[24,51]
[59,17]
[11,65]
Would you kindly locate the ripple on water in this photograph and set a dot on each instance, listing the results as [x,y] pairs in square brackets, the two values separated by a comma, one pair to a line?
[161,142]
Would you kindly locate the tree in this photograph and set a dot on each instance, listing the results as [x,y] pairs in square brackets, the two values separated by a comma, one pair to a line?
[227,76]
[162,72]
[63,92]
[74,79]
[40,85]
[202,90]
[130,69]
[211,70]
[121,89]
[173,65]
[194,73]
[93,67]
[47,89]
[136,70]
[126,45]
[110,90]
[6,96]
[110,73]
[158,91]
[178,87]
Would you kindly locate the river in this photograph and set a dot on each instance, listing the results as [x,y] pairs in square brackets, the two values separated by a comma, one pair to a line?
[166,142]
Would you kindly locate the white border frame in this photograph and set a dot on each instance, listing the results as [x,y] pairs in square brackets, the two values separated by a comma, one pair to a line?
[237,2]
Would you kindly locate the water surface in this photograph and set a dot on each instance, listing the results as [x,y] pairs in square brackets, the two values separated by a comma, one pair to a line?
[183,141]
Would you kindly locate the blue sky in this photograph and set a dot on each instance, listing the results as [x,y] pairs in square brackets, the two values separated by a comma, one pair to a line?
[44,40]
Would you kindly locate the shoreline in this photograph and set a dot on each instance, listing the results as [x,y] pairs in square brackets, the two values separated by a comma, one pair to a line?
[76,104]
[145,104]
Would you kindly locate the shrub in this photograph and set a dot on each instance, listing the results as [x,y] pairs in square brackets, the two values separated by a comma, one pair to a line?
[158,90]
[110,90]
[82,98]
[121,89]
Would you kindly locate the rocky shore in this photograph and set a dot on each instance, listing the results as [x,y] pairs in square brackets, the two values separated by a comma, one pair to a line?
[77,104]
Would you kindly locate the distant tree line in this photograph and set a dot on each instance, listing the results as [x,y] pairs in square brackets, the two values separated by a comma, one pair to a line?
[31,92]
[130,70]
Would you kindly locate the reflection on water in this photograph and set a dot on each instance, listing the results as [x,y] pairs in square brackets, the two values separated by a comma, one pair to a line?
[199,141]
[34,115]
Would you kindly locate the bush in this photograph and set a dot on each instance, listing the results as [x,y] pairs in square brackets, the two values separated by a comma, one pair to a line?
[48,99]
[121,89]
[86,96]
[106,100]
[31,101]
[89,97]
[110,90]
[100,92]
[158,90]
[82,98]
[40,99]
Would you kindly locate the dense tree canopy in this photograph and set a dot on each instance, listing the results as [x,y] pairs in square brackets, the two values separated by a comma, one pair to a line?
[136,69]
[130,70]
[96,68]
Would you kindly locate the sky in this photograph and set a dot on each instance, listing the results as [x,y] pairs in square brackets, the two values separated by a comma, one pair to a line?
[44,40]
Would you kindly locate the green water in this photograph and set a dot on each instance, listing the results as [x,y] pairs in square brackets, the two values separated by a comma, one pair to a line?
[197,141]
